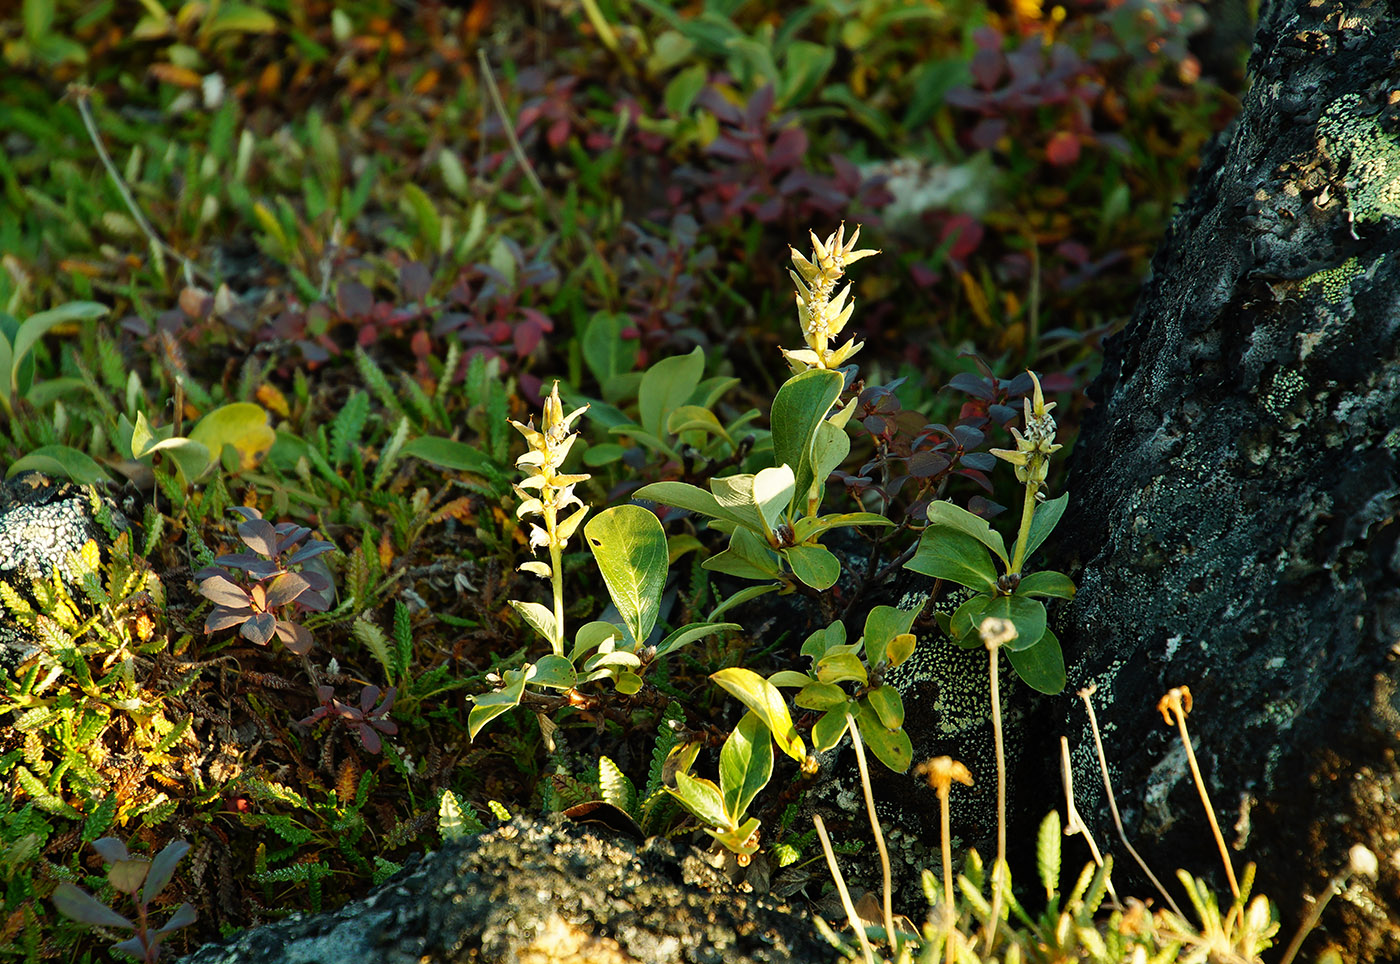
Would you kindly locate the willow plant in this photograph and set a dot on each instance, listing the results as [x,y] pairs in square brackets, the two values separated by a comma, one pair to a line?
[549,447]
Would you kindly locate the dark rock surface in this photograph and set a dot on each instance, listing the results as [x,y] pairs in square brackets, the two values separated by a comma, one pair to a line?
[1234,495]
[546,891]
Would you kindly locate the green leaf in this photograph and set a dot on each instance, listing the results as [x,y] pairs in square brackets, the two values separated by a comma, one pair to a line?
[60,460]
[888,706]
[450,454]
[552,672]
[683,88]
[1047,516]
[629,545]
[1047,853]
[961,625]
[828,730]
[747,557]
[240,18]
[763,698]
[830,447]
[541,620]
[38,18]
[789,677]
[883,624]
[668,385]
[745,765]
[1047,583]
[955,556]
[1028,615]
[841,668]
[491,705]
[819,696]
[702,798]
[823,641]
[1041,666]
[814,565]
[799,407]
[694,418]
[772,492]
[743,595]
[605,351]
[691,498]
[810,528]
[735,495]
[38,325]
[689,634]
[592,635]
[425,216]
[891,746]
[945,515]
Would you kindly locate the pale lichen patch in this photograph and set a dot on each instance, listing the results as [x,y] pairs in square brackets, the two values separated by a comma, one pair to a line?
[1372,156]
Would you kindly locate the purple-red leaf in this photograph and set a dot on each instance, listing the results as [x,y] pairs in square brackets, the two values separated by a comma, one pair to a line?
[184,916]
[295,637]
[223,591]
[81,906]
[111,849]
[309,551]
[285,588]
[258,535]
[162,869]
[223,617]
[259,628]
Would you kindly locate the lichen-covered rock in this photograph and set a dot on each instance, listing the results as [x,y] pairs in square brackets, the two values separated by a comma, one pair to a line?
[43,523]
[542,892]
[1234,496]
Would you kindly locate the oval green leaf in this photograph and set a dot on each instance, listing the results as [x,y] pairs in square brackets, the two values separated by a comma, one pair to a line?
[629,545]
[763,698]
[888,706]
[820,696]
[952,554]
[799,407]
[745,765]
[1041,666]
[1048,583]
[814,565]
[1027,614]
[60,460]
[945,515]
[1047,516]
[891,747]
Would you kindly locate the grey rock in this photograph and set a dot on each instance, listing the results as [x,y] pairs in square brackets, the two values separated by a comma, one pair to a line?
[542,891]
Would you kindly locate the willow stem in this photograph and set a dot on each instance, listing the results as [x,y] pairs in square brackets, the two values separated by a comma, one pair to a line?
[1027,514]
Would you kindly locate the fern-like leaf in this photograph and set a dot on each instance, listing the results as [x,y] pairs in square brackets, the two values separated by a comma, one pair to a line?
[348,426]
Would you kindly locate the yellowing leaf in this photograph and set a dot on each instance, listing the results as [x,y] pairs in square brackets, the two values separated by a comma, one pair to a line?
[242,425]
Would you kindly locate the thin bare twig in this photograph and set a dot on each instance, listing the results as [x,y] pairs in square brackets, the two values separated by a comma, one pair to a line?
[500,106]
[1084,694]
[79,94]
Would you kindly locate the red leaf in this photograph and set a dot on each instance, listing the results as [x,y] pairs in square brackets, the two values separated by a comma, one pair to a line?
[1063,149]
